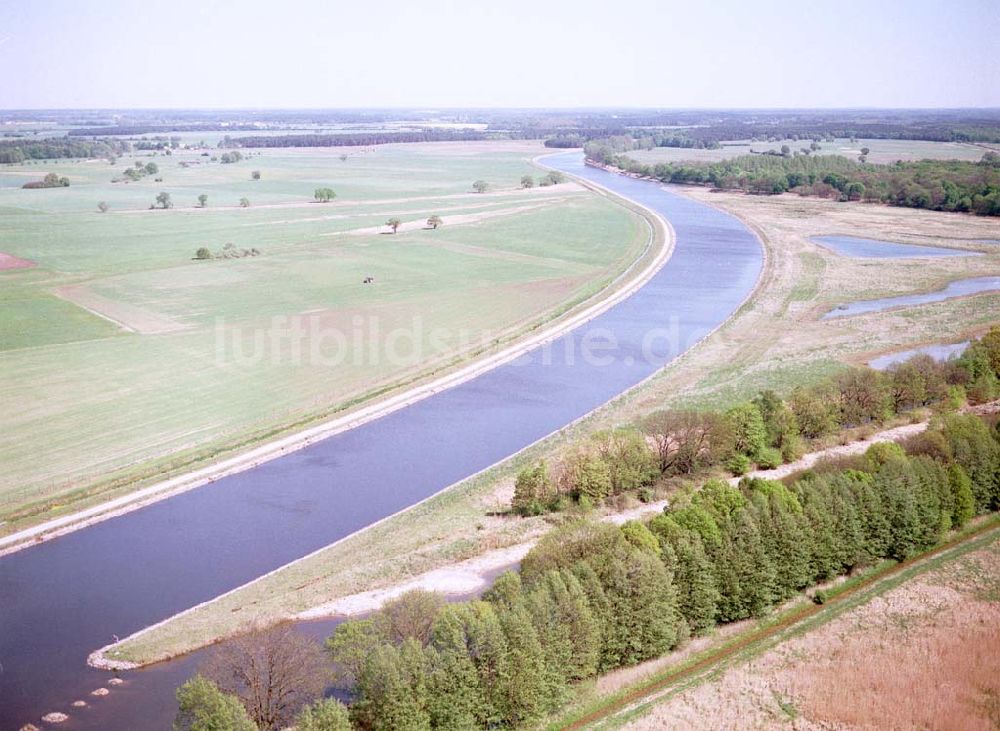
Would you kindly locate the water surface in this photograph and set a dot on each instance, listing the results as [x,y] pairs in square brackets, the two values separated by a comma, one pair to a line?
[959,288]
[62,599]
[874,249]
[939,352]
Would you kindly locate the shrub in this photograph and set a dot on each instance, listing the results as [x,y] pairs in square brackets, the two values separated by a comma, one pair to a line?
[203,253]
[738,464]
[533,490]
[768,458]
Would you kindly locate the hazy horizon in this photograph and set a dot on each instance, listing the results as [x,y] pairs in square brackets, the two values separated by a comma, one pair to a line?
[386,54]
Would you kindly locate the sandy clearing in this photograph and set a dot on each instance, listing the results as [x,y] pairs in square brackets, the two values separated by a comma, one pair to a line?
[421,224]
[126,316]
[541,192]
[462,578]
[9,261]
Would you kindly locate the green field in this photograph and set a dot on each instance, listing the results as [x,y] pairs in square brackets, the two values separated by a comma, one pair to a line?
[881,151]
[123,356]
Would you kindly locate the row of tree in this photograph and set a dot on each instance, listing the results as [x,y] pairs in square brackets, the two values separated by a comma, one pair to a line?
[51,180]
[591,597]
[18,150]
[767,430]
[941,185]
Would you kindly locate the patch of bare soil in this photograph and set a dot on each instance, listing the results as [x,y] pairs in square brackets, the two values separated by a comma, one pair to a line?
[923,655]
[9,261]
[126,316]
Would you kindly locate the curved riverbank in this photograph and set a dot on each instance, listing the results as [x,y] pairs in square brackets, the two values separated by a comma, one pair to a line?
[123,574]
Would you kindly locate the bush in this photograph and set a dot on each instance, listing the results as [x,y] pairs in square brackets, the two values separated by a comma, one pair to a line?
[203,253]
[768,458]
[738,464]
[533,490]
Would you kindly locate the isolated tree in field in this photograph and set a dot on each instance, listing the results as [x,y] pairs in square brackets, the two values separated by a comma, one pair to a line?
[480,186]
[202,200]
[786,150]
[152,168]
[244,202]
[324,195]
[555,177]
[273,672]
[203,253]
[527,181]
[394,224]
[203,707]
[865,151]
[163,200]
[102,207]
[434,221]
[255,175]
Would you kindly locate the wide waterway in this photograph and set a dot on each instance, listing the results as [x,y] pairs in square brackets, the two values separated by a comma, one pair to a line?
[62,599]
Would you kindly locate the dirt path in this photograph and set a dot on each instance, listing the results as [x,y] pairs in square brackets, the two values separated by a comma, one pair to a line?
[420,224]
[541,192]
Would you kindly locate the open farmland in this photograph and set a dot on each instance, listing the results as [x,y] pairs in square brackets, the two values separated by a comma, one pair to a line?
[121,352]
[881,151]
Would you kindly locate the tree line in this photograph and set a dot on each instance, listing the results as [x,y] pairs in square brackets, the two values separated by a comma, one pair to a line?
[940,185]
[354,139]
[592,597]
[18,150]
[766,431]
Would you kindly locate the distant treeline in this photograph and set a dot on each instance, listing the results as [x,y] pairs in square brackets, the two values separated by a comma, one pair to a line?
[354,139]
[940,185]
[162,129]
[19,150]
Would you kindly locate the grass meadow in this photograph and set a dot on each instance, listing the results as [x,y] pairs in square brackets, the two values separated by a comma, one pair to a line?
[123,356]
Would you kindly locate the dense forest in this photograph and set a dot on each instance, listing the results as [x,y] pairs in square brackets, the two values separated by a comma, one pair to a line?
[940,185]
[591,597]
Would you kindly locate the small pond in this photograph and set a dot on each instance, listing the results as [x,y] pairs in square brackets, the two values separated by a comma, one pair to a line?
[959,288]
[938,351]
[873,249]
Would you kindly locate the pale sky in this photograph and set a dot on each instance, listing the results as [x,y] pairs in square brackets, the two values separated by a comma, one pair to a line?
[502,53]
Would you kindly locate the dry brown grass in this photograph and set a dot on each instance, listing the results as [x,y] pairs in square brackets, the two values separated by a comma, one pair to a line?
[922,656]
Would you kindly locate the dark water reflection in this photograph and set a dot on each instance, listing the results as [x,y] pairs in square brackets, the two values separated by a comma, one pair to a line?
[62,599]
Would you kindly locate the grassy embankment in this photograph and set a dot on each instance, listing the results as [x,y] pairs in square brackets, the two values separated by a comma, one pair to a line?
[123,408]
[775,341]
